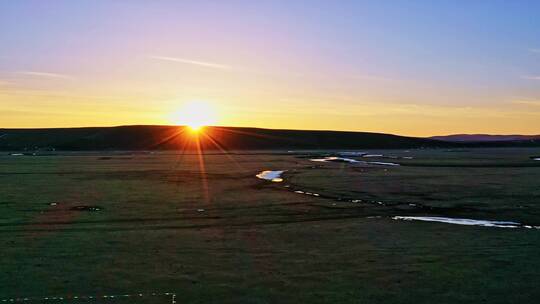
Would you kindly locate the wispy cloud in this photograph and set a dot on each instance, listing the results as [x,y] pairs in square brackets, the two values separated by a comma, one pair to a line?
[535,103]
[531,77]
[44,74]
[534,51]
[371,77]
[193,62]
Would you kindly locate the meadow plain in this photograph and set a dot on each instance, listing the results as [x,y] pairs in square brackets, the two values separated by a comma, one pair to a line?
[206,229]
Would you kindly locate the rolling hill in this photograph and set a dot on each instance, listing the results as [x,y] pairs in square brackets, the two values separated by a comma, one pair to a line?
[485,138]
[215,138]
[143,137]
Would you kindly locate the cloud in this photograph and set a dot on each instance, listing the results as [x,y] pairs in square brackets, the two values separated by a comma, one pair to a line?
[531,77]
[44,74]
[193,62]
[370,77]
[535,103]
[534,50]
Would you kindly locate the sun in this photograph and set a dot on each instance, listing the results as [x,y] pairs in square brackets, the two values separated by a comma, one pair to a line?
[195,128]
[196,115]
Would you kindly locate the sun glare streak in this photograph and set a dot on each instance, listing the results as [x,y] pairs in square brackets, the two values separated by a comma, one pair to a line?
[224,150]
[254,134]
[202,168]
[165,140]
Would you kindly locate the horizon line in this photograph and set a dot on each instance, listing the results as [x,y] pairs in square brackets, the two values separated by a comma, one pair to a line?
[263,128]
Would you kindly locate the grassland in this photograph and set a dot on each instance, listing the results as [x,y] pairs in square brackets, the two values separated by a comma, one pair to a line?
[206,229]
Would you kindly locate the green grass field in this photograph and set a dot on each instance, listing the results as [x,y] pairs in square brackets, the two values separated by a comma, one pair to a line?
[208,230]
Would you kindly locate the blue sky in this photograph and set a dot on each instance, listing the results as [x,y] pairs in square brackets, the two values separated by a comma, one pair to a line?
[408,67]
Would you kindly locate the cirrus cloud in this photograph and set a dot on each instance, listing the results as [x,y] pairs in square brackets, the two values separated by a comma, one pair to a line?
[531,77]
[525,102]
[193,62]
[44,74]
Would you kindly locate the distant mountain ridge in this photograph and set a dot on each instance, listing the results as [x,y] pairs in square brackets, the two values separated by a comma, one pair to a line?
[144,137]
[485,138]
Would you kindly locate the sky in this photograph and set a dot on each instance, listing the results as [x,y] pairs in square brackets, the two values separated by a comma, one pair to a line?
[416,68]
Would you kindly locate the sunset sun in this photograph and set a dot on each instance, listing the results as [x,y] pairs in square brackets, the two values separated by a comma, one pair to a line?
[196,115]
